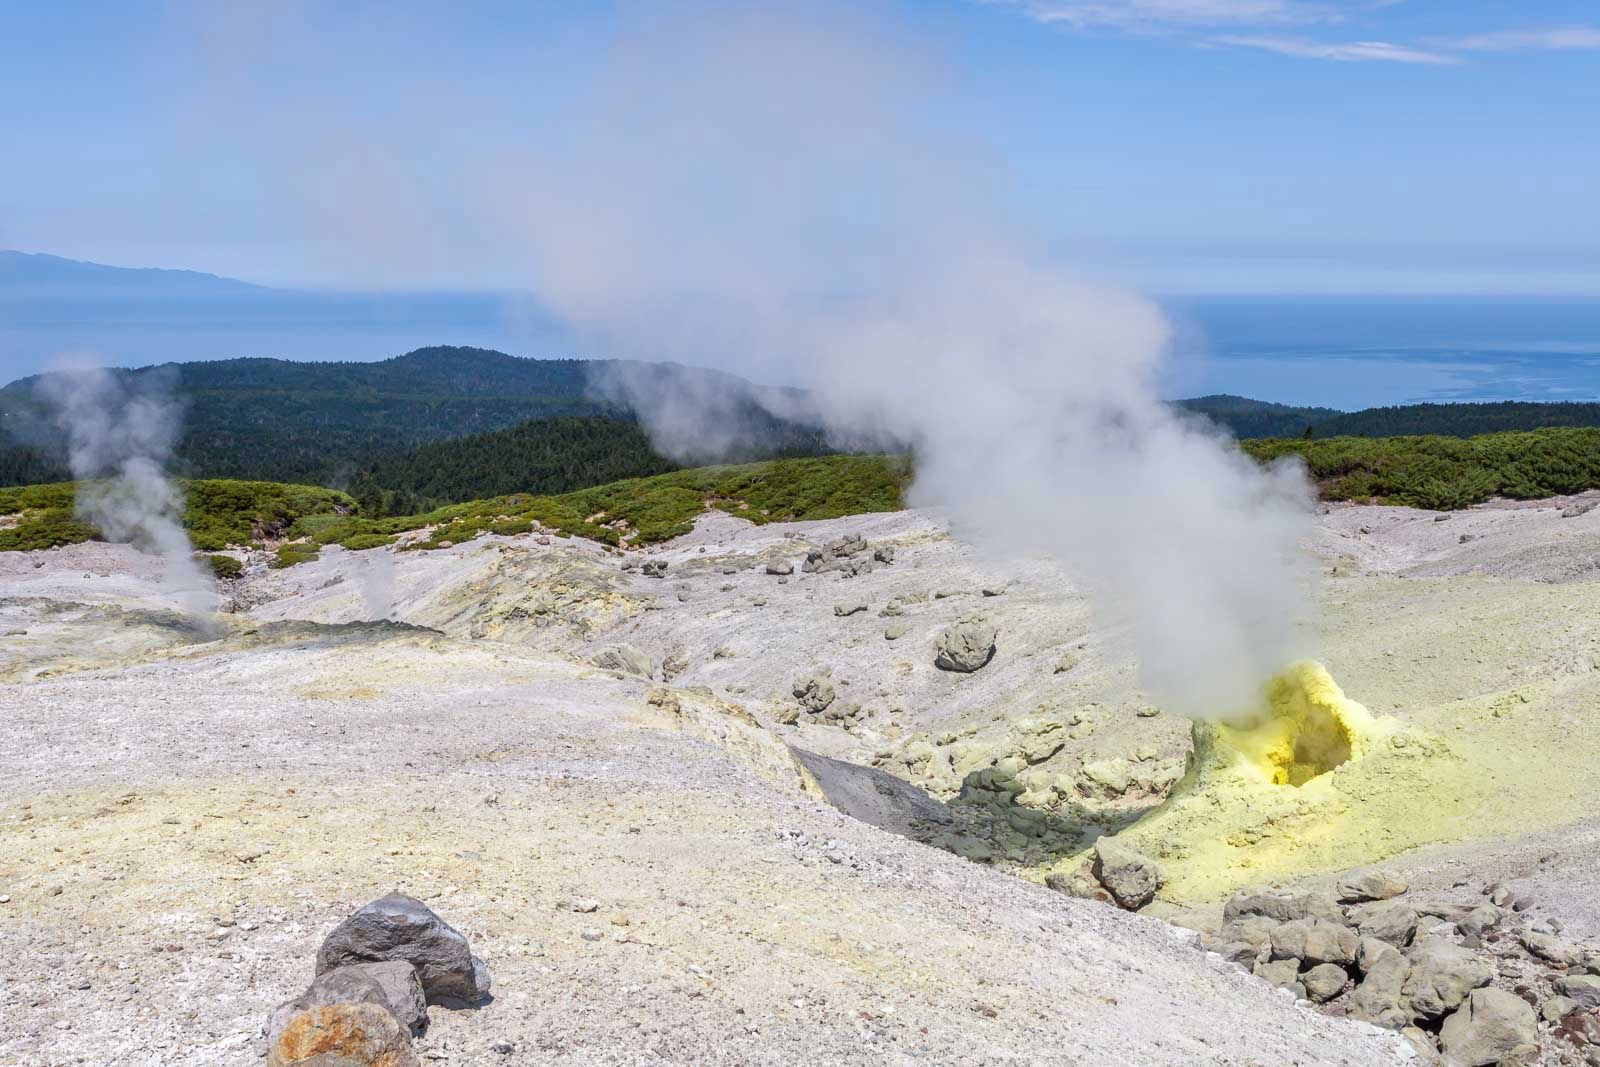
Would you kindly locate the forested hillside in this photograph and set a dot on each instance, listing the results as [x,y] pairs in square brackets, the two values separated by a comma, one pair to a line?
[553,455]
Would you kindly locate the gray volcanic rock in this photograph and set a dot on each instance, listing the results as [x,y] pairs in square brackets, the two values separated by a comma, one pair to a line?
[1493,1026]
[1324,981]
[398,927]
[1369,885]
[1442,974]
[1282,906]
[392,984]
[624,658]
[1132,879]
[966,644]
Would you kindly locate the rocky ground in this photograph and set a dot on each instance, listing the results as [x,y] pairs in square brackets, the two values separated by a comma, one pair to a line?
[712,753]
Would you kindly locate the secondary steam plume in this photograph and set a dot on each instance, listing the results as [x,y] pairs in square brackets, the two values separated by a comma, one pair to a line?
[119,439]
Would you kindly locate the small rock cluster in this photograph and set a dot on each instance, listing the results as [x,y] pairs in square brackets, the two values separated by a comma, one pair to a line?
[816,700]
[848,556]
[1482,982]
[375,975]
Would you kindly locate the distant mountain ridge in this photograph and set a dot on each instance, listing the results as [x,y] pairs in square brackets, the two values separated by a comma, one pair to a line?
[36,273]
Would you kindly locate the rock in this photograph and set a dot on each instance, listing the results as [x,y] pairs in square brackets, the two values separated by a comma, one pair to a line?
[1282,905]
[1131,879]
[1583,988]
[1380,998]
[398,927]
[1492,1027]
[883,553]
[1110,776]
[343,1035]
[780,566]
[1479,919]
[1252,931]
[1324,982]
[851,608]
[966,645]
[1442,974]
[1422,1042]
[392,985]
[578,905]
[1315,941]
[1393,921]
[895,630]
[1369,885]
[654,568]
[1285,974]
[1556,1008]
[993,590]
[624,658]
[814,693]
[1038,739]
[1551,949]
[1580,1028]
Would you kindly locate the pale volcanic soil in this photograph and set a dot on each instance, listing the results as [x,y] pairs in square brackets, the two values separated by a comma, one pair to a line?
[187,814]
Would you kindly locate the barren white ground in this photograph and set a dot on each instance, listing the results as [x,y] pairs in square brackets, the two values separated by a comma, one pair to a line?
[184,818]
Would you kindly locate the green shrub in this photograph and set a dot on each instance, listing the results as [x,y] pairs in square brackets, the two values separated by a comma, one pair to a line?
[225,567]
[357,542]
[47,528]
[289,555]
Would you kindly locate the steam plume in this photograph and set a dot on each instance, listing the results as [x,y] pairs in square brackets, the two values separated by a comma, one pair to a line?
[119,440]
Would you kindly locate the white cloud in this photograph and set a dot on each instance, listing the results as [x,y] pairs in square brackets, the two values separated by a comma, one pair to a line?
[1340,51]
[1549,39]
[1161,14]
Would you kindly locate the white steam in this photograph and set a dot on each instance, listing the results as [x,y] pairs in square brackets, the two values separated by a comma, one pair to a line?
[791,192]
[119,439]
[377,584]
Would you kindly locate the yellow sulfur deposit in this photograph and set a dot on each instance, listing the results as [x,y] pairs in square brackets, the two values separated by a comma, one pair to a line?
[1307,728]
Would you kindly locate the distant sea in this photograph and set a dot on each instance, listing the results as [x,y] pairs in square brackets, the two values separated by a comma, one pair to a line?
[1342,352]
[1358,352]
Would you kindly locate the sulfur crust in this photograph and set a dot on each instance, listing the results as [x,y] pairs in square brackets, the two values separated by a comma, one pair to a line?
[1307,727]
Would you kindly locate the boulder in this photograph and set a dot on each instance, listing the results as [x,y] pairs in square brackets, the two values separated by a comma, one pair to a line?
[392,985]
[1131,879]
[1556,1008]
[1380,998]
[654,568]
[966,645]
[624,658]
[1583,988]
[780,566]
[1324,982]
[1285,974]
[1442,974]
[1491,1027]
[343,1035]
[1551,949]
[1393,921]
[398,927]
[1282,905]
[1315,941]
[895,630]
[814,693]
[1369,885]
[1479,919]
[854,607]
[883,553]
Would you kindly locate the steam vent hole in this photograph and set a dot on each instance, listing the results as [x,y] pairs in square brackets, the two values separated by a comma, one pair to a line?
[1306,728]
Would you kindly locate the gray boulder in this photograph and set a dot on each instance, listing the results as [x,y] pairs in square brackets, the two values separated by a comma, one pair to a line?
[1442,974]
[1554,1009]
[398,927]
[895,630]
[1324,982]
[626,659]
[1491,1027]
[1282,906]
[1583,988]
[1369,885]
[1551,949]
[1315,941]
[1285,974]
[966,645]
[853,607]
[1131,879]
[1393,921]
[780,566]
[654,568]
[1380,998]
[883,553]
[1479,919]
[392,984]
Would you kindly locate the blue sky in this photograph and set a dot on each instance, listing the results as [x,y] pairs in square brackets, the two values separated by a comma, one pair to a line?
[1180,145]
